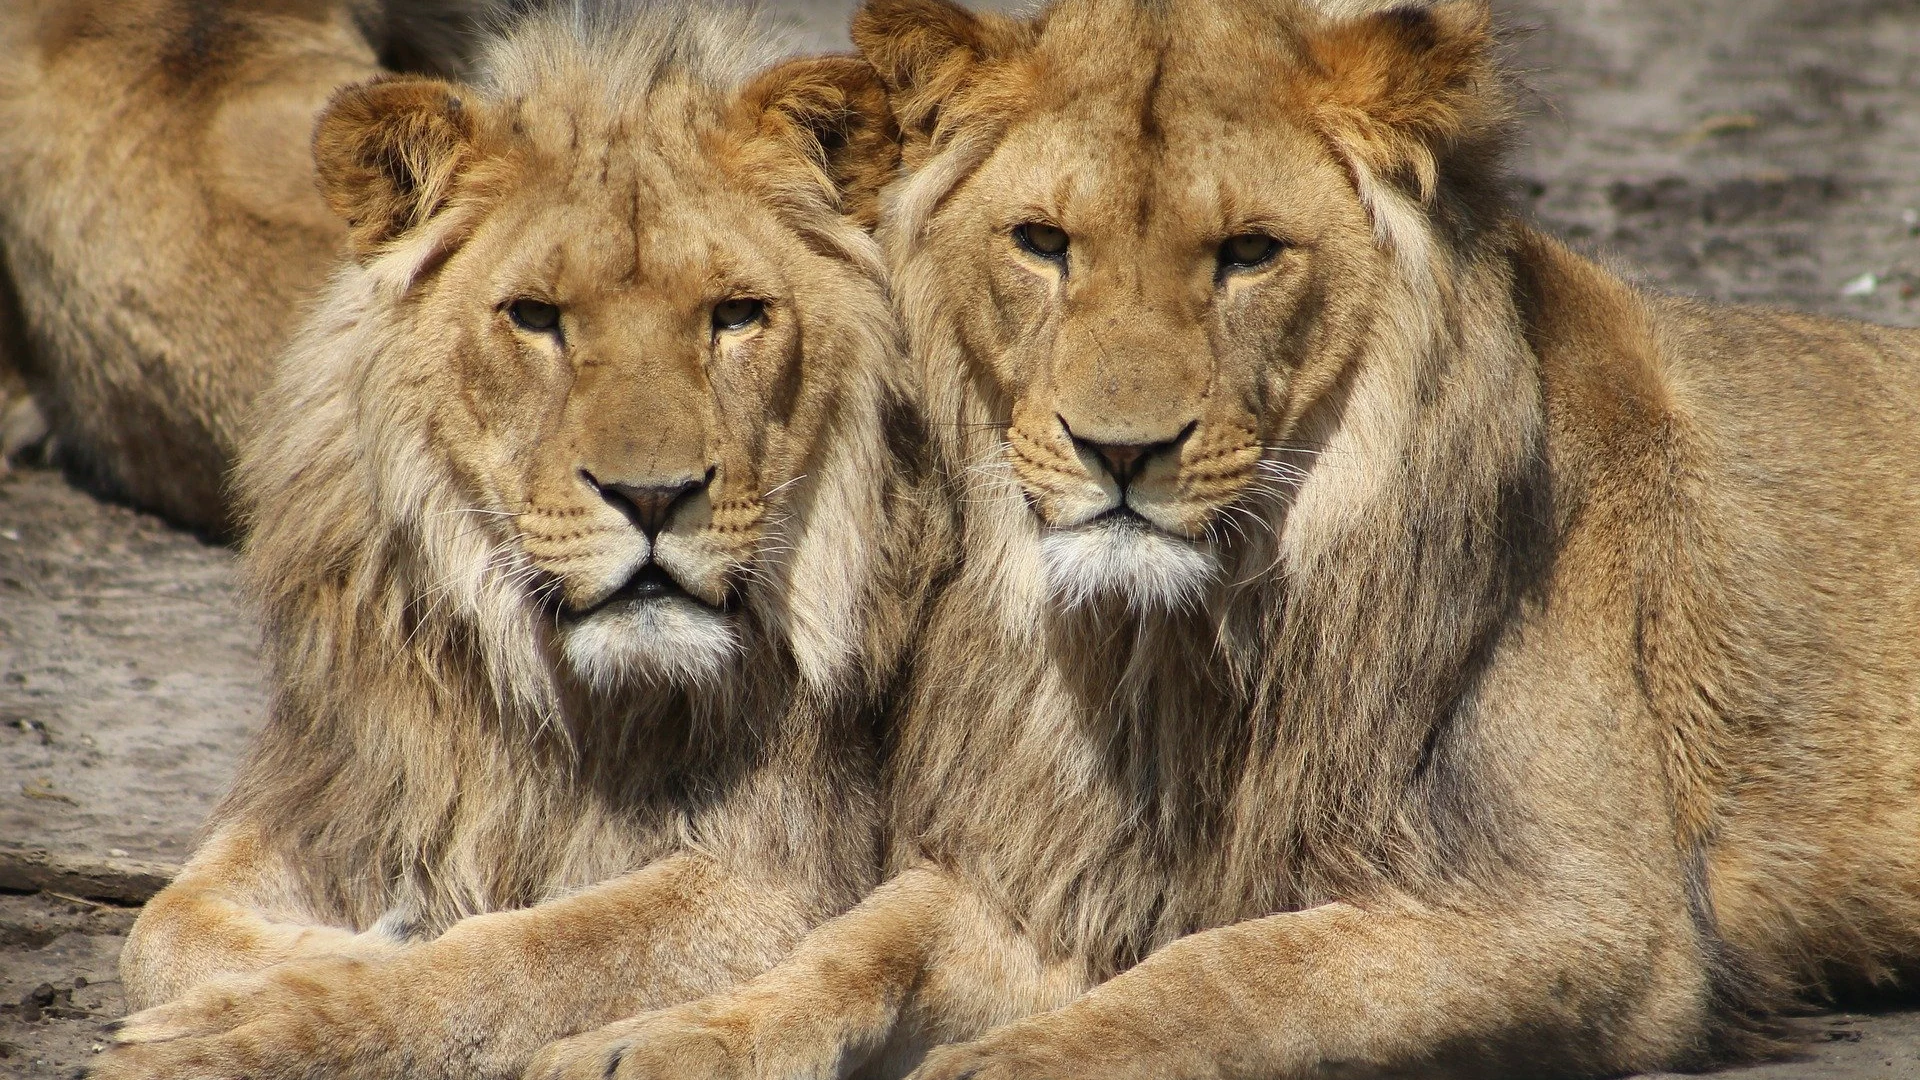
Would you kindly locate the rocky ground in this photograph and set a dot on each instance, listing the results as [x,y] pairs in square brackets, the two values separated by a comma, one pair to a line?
[1763,151]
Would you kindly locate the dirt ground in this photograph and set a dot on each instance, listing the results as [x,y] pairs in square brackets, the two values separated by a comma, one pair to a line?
[1763,151]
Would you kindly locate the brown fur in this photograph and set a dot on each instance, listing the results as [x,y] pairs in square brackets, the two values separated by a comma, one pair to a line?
[1546,707]
[478,819]
[159,220]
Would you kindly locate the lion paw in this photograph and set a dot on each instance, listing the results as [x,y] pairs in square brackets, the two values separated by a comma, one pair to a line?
[286,1021]
[1028,1052]
[592,1056]
[209,1009]
[217,1058]
[672,1044]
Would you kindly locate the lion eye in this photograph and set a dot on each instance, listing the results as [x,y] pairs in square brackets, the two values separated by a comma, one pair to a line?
[1247,250]
[535,315]
[1046,241]
[737,314]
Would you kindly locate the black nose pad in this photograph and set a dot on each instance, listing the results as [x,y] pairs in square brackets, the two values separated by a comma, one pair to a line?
[649,506]
[1126,461]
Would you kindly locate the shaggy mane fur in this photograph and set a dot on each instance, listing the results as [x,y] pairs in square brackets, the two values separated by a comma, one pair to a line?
[427,758]
[1273,725]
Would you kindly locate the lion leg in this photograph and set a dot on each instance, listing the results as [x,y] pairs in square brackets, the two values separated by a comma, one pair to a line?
[481,998]
[216,920]
[922,960]
[1473,989]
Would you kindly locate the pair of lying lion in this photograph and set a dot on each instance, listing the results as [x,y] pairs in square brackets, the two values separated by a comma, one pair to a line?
[1310,621]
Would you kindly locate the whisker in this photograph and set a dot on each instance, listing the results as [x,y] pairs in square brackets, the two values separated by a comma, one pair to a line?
[782,487]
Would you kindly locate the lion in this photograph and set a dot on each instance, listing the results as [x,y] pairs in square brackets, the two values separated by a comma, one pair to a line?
[583,514]
[159,221]
[1381,641]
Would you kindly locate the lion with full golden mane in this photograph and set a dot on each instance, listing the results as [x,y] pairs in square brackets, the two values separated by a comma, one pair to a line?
[583,515]
[1381,641]
[160,228]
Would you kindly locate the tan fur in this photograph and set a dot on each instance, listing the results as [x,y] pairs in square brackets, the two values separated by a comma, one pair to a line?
[158,216]
[474,822]
[1546,706]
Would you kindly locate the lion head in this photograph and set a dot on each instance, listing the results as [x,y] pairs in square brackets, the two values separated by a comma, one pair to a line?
[604,384]
[1160,239]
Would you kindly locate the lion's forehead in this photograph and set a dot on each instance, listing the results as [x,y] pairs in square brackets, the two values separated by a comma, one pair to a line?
[630,229]
[1100,169]
[1147,126]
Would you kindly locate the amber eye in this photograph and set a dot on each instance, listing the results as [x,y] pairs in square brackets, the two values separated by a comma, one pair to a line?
[1046,241]
[1247,251]
[535,315]
[737,314]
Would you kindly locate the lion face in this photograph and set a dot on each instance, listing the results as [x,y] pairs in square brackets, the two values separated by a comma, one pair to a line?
[1158,267]
[630,357]
[1159,312]
[627,351]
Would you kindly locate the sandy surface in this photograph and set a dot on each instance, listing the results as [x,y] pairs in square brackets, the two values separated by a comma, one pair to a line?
[1738,149]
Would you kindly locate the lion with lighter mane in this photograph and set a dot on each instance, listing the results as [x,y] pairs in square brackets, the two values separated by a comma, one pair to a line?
[1381,641]
[583,515]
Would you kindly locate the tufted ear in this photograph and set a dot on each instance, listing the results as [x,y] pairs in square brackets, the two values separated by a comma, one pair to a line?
[1399,91]
[387,152]
[832,111]
[928,51]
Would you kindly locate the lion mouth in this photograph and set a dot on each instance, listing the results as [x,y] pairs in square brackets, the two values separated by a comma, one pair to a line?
[651,584]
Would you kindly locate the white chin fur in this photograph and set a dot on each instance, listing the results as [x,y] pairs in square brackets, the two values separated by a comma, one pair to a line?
[672,640]
[1149,570]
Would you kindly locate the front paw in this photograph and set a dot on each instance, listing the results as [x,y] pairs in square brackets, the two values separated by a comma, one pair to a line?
[683,1043]
[321,988]
[1035,1050]
[216,1058]
[293,1020]
[974,1061]
[589,1056]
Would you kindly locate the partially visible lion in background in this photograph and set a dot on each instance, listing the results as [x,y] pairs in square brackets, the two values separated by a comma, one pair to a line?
[1383,643]
[160,229]
[584,514]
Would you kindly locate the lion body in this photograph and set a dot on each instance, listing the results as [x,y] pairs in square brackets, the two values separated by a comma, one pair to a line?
[162,232]
[162,228]
[496,801]
[1543,701]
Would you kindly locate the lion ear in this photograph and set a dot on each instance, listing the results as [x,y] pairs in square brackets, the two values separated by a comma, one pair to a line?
[926,51]
[833,111]
[386,152]
[1398,90]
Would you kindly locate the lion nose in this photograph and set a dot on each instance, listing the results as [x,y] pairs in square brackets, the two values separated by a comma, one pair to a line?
[649,506]
[1126,461]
